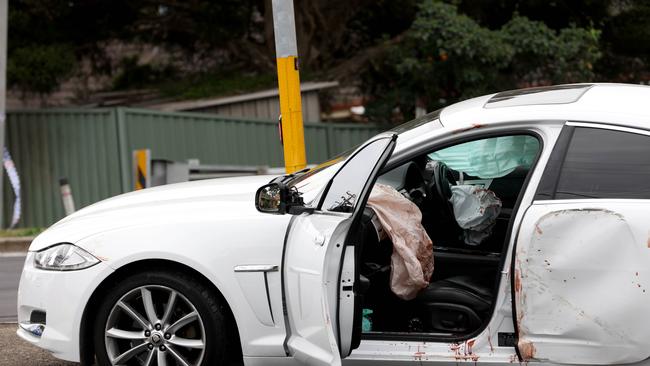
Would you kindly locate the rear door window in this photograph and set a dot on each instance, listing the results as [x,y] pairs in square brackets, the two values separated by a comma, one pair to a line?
[603,163]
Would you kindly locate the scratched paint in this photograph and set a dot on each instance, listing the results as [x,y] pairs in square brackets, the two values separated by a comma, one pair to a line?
[473,351]
[579,280]
[489,339]
[517,281]
[473,126]
[464,351]
[526,349]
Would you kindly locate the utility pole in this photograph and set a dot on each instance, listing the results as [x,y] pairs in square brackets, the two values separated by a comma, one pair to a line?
[286,53]
[4,9]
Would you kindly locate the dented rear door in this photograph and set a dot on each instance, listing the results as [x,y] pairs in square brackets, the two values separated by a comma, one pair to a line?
[581,280]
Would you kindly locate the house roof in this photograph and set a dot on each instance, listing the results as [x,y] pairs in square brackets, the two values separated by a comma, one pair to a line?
[189,105]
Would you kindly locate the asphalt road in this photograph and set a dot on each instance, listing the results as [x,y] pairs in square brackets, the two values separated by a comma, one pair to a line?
[10,268]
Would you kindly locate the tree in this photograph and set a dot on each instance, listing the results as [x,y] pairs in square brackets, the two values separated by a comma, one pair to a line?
[446,56]
[397,50]
[39,69]
[48,37]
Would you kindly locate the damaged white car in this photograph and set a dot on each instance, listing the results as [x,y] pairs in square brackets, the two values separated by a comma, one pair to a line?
[512,227]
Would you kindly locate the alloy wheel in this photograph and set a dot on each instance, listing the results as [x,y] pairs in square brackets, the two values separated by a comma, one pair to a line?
[154,325]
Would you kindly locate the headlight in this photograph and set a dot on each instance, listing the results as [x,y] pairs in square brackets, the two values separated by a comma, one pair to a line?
[64,257]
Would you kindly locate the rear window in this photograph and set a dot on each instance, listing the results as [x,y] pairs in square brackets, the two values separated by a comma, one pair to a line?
[603,163]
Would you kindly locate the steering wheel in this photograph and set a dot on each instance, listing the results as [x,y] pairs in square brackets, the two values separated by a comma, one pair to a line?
[416,186]
[441,181]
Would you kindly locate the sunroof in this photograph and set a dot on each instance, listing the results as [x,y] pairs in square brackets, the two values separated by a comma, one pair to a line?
[560,94]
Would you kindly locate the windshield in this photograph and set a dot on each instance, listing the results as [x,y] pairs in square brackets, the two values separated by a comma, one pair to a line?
[310,182]
[420,121]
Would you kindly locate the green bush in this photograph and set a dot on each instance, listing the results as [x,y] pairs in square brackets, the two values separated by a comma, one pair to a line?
[40,68]
[134,75]
[29,231]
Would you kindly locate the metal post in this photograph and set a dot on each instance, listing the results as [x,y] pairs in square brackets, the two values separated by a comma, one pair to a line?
[286,51]
[3,94]
[66,196]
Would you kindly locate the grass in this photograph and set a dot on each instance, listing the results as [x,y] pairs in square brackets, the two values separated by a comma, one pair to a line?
[29,231]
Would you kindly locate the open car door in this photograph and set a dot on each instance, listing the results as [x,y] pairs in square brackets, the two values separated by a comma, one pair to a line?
[320,281]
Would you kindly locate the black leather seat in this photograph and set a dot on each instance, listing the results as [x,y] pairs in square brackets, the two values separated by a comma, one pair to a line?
[455,304]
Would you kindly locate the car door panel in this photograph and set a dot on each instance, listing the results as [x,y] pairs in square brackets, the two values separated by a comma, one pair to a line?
[311,270]
[581,282]
[347,298]
[319,308]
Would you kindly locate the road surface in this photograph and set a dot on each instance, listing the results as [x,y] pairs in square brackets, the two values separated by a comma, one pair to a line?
[10,268]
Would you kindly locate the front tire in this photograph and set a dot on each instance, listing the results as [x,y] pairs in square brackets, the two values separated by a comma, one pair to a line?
[160,318]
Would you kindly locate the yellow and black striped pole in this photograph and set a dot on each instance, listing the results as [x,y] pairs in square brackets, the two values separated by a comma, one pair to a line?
[141,169]
[286,51]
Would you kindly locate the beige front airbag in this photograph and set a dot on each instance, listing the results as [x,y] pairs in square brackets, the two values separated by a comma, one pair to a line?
[412,258]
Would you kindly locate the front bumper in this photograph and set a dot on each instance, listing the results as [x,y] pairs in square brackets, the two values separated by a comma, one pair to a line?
[63,297]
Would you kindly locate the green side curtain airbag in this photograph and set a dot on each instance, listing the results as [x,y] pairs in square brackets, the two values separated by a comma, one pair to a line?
[490,158]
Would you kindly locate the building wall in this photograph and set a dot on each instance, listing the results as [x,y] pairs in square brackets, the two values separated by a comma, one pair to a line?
[93,149]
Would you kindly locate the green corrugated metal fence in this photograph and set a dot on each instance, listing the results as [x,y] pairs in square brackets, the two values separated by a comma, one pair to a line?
[93,149]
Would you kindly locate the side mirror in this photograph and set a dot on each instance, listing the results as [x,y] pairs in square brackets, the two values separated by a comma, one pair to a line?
[277,198]
[271,198]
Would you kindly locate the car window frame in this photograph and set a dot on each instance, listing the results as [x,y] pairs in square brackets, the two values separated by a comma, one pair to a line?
[320,198]
[451,138]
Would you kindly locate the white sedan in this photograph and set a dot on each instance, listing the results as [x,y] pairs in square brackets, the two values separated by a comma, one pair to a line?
[297,269]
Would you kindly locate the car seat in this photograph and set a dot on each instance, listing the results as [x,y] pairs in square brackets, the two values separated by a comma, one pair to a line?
[457,304]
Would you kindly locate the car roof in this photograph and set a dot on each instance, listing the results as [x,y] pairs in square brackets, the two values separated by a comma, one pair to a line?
[621,104]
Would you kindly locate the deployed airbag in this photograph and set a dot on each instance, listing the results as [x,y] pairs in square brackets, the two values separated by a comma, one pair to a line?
[490,158]
[476,210]
[412,258]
